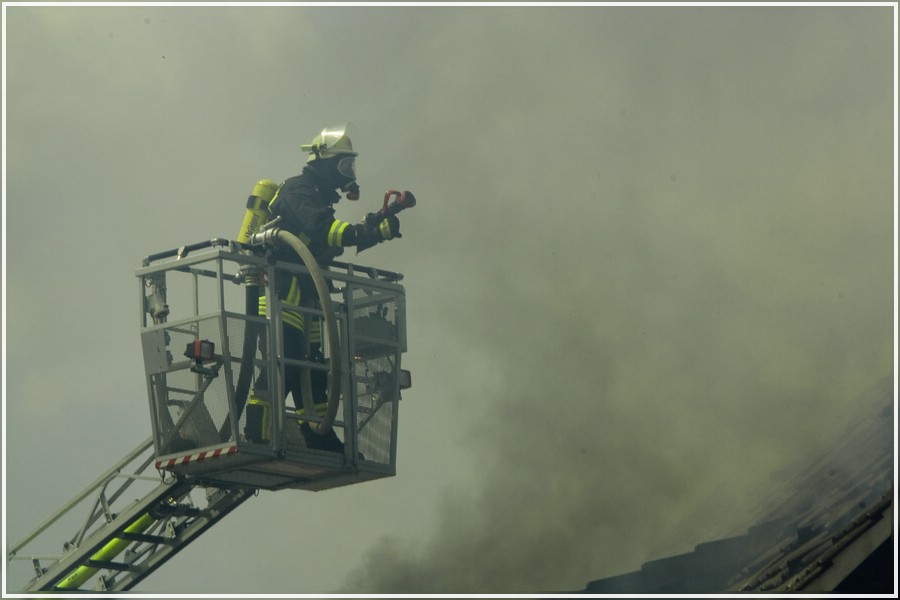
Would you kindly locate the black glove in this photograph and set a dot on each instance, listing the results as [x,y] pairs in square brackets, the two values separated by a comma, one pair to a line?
[390,227]
[377,228]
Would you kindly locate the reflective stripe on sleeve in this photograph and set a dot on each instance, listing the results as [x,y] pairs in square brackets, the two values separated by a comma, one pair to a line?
[336,233]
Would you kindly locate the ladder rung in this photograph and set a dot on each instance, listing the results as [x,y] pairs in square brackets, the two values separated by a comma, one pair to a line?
[147,538]
[112,566]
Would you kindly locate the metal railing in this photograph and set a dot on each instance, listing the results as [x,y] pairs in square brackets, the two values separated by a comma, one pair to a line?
[196,294]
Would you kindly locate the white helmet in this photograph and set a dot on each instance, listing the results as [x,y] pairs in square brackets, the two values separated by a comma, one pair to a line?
[333,141]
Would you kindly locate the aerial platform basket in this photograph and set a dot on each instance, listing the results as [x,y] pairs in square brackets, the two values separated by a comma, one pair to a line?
[202,350]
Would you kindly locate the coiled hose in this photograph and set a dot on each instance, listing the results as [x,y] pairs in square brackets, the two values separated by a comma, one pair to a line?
[331,333]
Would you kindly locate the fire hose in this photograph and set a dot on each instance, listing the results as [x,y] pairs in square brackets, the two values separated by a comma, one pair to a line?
[331,334]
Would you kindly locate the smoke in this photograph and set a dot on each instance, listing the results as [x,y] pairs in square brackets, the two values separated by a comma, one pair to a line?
[673,258]
[650,263]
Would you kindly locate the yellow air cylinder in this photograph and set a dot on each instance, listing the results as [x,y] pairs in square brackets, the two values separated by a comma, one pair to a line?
[257,209]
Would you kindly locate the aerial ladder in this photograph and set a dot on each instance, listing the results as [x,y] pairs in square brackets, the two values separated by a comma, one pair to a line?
[206,353]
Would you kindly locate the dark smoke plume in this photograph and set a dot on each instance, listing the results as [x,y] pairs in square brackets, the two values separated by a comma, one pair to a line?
[681,290]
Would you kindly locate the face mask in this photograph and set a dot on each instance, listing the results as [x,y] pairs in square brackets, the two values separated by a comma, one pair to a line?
[347,167]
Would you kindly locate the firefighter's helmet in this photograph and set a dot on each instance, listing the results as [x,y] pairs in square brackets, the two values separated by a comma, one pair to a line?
[332,141]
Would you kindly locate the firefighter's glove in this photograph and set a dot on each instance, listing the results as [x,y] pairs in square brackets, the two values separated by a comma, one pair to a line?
[375,229]
[389,228]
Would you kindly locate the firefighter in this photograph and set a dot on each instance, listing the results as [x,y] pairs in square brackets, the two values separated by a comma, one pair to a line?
[304,206]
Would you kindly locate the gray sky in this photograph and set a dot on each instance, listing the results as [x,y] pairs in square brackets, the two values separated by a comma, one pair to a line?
[652,261]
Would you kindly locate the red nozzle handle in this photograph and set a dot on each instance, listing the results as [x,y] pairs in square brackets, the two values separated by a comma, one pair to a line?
[403,201]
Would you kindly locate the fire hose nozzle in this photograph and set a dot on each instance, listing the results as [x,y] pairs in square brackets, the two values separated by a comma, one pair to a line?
[402,201]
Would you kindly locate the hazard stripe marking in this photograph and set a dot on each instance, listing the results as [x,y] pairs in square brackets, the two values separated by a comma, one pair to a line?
[195,458]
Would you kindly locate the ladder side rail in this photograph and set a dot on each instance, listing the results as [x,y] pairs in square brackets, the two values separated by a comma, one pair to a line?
[129,479]
[101,481]
[81,555]
[150,532]
[93,515]
[187,530]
